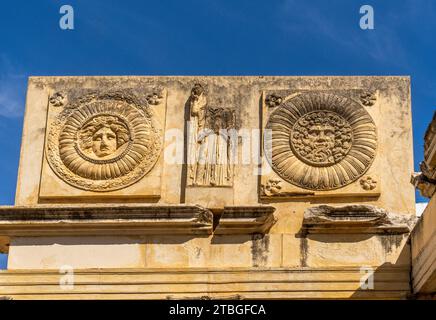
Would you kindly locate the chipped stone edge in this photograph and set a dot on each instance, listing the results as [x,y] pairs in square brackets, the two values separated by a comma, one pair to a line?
[355,219]
[104,220]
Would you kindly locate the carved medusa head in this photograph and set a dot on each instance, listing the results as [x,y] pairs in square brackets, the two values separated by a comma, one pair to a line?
[103,135]
[321,138]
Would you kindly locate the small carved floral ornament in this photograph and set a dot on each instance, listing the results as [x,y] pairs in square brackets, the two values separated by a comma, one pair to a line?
[367,98]
[273,100]
[368,183]
[196,91]
[58,99]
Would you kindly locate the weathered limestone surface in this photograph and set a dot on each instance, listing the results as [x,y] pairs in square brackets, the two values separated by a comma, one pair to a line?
[423,241]
[355,219]
[425,181]
[423,238]
[178,187]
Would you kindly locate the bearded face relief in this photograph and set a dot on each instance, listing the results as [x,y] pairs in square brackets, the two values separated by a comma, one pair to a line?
[321,138]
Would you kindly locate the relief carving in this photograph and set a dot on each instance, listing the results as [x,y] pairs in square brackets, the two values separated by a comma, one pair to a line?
[58,99]
[104,142]
[273,100]
[368,99]
[320,141]
[211,142]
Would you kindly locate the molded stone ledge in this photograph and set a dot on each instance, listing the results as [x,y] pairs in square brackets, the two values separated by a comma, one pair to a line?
[423,243]
[104,220]
[425,186]
[246,220]
[4,244]
[364,219]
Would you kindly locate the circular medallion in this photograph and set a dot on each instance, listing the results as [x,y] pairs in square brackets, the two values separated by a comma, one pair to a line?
[103,144]
[320,141]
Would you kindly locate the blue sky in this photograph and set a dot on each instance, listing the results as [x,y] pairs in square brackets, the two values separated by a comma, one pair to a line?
[213,37]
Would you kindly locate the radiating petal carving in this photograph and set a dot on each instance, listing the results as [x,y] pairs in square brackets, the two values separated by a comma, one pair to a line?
[104,142]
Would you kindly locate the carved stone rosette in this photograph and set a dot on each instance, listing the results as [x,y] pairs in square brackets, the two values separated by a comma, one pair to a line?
[104,142]
[320,141]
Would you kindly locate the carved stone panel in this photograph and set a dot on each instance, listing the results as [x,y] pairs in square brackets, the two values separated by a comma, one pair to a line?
[212,140]
[318,141]
[106,142]
[101,141]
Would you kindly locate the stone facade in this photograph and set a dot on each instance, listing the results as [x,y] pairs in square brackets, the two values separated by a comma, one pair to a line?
[225,187]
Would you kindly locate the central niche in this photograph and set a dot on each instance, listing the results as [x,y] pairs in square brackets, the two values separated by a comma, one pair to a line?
[320,141]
